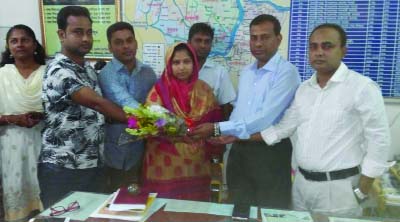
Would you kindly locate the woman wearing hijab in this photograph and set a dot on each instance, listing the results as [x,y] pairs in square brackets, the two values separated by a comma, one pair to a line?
[22,68]
[179,168]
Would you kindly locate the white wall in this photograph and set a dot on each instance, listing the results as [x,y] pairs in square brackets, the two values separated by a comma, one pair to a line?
[27,12]
[14,12]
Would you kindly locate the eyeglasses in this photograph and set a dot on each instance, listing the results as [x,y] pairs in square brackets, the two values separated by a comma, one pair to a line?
[59,210]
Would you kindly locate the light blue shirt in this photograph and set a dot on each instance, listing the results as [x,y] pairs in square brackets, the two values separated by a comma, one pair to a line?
[124,88]
[121,151]
[263,96]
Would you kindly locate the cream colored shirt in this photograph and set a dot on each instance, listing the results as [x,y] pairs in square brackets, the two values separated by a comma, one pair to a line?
[339,126]
[17,94]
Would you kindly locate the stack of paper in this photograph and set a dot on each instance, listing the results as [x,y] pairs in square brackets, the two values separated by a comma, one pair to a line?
[130,211]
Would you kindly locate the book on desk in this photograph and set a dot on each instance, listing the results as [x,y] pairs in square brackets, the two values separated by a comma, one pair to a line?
[123,200]
[125,206]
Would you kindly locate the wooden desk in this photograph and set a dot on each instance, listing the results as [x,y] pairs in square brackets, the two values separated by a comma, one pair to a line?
[89,202]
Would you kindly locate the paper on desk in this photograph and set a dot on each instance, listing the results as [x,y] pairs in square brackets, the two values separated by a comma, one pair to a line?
[188,206]
[157,204]
[271,215]
[337,219]
[88,203]
[103,211]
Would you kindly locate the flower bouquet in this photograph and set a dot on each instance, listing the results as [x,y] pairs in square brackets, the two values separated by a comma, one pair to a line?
[154,120]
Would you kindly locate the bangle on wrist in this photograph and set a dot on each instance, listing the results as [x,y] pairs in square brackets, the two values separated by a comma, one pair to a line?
[217,131]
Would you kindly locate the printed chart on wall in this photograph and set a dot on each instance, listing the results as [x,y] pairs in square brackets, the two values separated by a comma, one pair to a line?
[103,13]
[160,23]
[373,31]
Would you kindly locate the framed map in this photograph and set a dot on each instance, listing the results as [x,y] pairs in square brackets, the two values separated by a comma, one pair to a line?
[103,13]
[160,23]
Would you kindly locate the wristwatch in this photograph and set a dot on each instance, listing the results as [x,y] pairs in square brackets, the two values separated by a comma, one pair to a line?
[360,195]
[217,130]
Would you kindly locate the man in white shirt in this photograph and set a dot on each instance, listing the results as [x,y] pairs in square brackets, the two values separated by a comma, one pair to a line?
[216,76]
[342,130]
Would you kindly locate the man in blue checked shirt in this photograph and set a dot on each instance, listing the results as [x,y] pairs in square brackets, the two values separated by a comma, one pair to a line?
[258,174]
[125,81]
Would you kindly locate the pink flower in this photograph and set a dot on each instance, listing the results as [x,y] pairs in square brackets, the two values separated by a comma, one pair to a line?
[132,123]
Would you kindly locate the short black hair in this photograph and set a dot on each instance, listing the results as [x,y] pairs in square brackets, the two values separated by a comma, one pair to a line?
[201,27]
[336,27]
[267,18]
[117,27]
[39,54]
[72,10]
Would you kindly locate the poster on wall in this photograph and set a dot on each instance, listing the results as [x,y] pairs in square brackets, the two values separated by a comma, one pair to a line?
[159,24]
[103,14]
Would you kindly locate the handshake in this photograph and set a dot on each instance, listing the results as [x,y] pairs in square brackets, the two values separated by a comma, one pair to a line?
[211,132]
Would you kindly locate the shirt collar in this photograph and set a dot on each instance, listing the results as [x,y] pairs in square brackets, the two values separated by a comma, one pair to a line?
[118,66]
[338,76]
[60,57]
[271,65]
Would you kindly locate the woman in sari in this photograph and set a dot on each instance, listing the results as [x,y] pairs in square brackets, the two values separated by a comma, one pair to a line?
[22,68]
[179,168]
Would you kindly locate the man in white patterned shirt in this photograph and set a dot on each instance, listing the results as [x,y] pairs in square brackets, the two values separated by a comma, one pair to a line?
[74,108]
[342,130]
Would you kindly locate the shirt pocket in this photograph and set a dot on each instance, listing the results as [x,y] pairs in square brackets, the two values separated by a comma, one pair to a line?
[333,120]
[304,115]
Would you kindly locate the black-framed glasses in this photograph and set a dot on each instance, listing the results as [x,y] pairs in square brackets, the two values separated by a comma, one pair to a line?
[59,210]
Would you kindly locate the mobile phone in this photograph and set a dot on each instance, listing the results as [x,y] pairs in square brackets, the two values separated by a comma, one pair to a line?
[241,212]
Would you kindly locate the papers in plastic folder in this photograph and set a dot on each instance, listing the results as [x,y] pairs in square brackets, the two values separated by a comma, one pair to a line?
[337,219]
[188,206]
[270,215]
